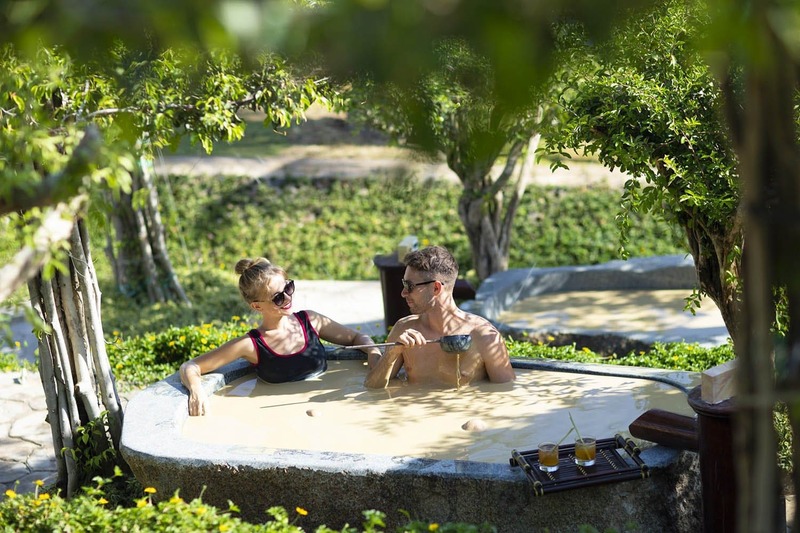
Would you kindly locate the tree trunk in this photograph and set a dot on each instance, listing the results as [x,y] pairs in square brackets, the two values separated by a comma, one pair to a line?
[713,259]
[712,246]
[138,255]
[773,177]
[763,128]
[486,216]
[76,376]
[477,215]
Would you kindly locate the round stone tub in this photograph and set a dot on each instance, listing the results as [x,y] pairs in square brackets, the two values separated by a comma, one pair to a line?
[335,448]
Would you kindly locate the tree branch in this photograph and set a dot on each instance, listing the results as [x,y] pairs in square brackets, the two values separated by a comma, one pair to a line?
[519,191]
[58,187]
[56,227]
[511,163]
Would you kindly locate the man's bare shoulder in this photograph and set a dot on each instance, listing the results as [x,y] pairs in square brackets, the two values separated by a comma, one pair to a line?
[407,322]
[480,324]
[485,333]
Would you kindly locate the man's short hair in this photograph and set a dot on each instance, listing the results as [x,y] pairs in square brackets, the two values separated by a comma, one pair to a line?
[435,260]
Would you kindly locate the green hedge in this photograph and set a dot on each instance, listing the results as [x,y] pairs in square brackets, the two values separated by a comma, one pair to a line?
[331,229]
[689,357]
[140,360]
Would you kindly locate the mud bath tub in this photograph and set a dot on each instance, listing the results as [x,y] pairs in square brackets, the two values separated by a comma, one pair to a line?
[348,449]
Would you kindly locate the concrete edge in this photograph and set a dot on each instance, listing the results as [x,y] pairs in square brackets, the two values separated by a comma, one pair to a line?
[682,380]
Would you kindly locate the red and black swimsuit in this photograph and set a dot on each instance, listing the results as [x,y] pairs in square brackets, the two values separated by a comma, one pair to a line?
[310,361]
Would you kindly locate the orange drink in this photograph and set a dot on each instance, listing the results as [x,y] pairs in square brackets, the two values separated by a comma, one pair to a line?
[548,456]
[585,451]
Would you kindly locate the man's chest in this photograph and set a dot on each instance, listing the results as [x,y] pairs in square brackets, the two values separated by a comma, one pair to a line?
[427,364]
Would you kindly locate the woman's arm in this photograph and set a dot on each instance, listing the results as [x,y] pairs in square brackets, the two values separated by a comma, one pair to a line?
[331,331]
[190,371]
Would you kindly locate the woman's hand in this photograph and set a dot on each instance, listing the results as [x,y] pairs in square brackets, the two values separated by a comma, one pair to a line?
[190,377]
[198,403]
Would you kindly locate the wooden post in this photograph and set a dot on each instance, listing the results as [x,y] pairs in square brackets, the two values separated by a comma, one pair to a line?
[713,403]
[717,473]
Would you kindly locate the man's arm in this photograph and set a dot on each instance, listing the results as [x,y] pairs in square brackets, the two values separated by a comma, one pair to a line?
[492,347]
[385,369]
[391,362]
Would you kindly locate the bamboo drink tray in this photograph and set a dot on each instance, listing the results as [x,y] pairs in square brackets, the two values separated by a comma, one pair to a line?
[617,460]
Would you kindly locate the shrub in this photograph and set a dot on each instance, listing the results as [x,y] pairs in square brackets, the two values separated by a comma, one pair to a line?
[690,357]
[93,512]
[144,359]
[9,361]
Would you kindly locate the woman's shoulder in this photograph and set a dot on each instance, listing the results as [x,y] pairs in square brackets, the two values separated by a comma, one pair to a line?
[306,313]
[307,316]
[316,319]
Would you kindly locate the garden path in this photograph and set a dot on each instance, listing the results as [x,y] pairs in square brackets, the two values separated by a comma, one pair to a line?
[326,146]
[335,163]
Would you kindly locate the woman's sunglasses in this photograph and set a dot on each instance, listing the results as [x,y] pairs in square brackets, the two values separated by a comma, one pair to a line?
[280,298]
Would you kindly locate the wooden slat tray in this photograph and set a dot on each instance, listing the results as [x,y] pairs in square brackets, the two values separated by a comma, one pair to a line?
[610,466]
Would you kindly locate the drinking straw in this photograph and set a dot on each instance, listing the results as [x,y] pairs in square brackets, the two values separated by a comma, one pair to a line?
[565,436]
[574,426]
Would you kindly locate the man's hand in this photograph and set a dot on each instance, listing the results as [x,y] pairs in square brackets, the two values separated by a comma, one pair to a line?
[412,337]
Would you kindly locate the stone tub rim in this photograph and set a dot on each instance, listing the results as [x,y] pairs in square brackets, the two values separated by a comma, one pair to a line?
[154,421]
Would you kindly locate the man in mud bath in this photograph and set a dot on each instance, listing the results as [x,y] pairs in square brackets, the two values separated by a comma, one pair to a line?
[428,283]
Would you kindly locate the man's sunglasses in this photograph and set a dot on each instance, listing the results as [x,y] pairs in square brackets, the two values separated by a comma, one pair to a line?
[409,285]
[280,298]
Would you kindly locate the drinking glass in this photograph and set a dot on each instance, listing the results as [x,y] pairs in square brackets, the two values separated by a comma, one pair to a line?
[585,451]
[548,456]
